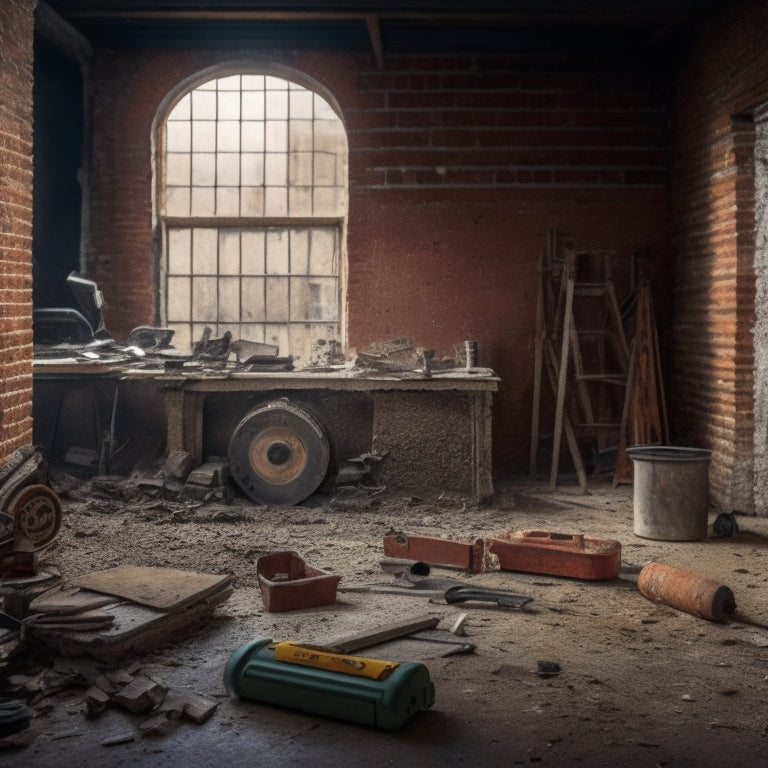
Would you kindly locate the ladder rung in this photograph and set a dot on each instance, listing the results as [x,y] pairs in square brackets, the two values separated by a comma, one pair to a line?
[595,290]
[608,378]
[598,425]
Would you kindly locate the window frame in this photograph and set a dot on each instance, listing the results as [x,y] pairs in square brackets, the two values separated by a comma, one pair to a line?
[163,224]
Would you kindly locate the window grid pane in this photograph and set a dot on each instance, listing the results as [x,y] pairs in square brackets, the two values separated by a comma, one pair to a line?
[253,146]
[251,280]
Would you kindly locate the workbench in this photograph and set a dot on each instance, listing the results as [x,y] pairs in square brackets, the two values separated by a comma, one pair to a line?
[434,432]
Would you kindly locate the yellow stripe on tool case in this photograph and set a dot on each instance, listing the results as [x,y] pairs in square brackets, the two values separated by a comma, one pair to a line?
[376,669]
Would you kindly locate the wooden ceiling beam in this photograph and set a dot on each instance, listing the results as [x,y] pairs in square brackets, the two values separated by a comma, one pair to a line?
[374,33]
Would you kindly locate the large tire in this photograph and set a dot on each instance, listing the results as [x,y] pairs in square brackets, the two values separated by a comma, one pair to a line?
[279,453]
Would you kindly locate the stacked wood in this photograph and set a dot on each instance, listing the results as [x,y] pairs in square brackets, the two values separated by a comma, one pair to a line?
[644,420]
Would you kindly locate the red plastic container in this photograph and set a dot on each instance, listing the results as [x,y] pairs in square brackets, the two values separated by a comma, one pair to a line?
[287,583]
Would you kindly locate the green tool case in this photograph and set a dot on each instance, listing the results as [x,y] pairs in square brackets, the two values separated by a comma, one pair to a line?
[252,672]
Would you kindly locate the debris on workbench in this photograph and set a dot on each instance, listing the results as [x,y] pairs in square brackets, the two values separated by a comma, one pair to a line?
[207,348]
[391,355]
[556,554]
[326,354]
[247,352]
[402,356]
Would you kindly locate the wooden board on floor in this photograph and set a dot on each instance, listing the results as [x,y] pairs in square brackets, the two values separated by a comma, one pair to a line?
[162,588]
[135,629]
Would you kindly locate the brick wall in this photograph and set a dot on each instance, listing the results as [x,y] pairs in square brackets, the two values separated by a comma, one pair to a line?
[507,122]
[16,36]
[723,77]
[458,167]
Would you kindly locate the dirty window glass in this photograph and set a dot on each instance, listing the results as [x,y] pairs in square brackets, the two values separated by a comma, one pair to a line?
[244,156]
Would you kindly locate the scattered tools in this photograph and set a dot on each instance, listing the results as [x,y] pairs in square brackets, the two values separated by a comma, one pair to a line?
[435,551]
[288,583]
[253,672]
[499,596]
[310,656]
[556,554]
[686,591]
[410,638]
[354,642]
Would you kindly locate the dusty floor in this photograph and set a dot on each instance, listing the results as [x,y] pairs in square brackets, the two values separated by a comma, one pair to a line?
[640,684]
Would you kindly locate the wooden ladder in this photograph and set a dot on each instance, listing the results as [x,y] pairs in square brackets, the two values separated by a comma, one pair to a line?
[580,341]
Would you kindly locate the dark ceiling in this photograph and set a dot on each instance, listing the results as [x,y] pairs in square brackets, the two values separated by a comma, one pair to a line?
[381,27]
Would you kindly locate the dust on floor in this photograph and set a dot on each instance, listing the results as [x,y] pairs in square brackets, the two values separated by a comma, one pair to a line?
[638,683]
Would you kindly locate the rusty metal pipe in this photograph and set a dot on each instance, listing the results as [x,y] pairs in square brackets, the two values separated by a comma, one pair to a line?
[686,591]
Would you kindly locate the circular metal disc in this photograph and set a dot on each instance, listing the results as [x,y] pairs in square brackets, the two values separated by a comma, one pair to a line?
[38,514]
[279,453]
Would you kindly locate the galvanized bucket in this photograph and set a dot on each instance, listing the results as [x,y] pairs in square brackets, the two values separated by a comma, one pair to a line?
[671,492]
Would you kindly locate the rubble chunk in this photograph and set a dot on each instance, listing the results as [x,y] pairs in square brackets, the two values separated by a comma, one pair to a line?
[141,695]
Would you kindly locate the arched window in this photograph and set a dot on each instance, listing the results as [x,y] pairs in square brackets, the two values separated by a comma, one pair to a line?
[252,204]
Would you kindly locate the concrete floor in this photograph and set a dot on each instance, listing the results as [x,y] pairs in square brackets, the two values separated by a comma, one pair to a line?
[643,685]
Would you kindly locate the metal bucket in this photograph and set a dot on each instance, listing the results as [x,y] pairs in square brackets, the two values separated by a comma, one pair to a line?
[671,492]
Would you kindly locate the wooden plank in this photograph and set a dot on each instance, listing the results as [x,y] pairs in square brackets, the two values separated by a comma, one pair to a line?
[570,434]
[366,638]
[136,629]
[162,588]
[562,375]
[538,347]
[62,600]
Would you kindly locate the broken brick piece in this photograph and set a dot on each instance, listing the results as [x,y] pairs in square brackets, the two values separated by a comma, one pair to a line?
[197,709]
[96,701]
[157,724]
[141,695]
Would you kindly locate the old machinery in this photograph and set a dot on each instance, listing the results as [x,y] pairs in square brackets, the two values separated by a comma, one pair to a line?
[279,453]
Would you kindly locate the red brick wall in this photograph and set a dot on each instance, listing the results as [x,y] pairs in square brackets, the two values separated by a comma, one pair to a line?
[458,167]
[16,36]
[724,75]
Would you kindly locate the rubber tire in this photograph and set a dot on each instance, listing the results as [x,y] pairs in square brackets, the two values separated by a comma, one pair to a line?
[279,453]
